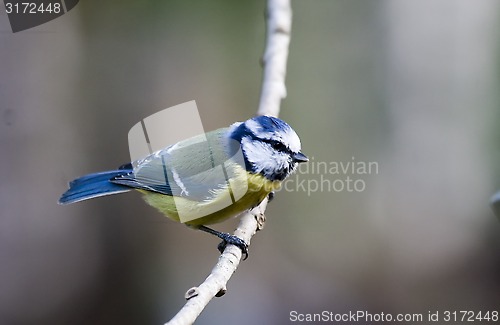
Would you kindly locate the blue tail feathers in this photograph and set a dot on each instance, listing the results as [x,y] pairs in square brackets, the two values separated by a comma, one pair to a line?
[94,185]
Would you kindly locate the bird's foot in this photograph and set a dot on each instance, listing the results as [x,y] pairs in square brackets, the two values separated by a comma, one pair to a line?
[228,239]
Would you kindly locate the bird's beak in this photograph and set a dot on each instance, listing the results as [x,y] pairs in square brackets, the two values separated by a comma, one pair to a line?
[299,157]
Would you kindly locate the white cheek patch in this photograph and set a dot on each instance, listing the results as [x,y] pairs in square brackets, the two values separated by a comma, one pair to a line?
[258,153]
[264,158]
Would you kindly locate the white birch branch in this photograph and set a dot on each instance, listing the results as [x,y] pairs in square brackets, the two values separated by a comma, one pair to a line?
[279,22]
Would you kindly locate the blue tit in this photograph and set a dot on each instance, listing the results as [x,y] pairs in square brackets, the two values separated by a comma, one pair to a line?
[208,178]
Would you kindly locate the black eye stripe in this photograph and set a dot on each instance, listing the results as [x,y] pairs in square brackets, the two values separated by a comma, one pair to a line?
[280,146]
[275,144]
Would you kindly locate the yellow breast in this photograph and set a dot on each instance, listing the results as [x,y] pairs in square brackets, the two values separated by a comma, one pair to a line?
[244,192]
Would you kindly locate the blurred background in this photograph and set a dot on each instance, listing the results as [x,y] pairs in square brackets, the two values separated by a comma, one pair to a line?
[409,85]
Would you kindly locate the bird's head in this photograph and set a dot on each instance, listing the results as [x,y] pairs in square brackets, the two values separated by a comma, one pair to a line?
[270,146]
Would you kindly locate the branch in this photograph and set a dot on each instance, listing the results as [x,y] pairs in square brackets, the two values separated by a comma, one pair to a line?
[279,25]
[279,22]
[215,284]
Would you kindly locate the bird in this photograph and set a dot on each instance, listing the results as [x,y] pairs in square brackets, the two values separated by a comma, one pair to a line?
[207,178]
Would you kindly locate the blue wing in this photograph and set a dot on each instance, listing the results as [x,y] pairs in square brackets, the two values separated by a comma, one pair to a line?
[196,168]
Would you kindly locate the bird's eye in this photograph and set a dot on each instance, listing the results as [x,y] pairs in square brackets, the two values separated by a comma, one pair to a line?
[277,145]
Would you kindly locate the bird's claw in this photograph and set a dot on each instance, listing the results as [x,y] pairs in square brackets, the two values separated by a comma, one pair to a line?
[236,241]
